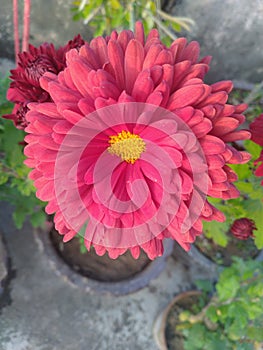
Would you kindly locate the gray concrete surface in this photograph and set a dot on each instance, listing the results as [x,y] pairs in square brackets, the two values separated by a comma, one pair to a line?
[3,265]
[232,32]
[5,66]
[48,313]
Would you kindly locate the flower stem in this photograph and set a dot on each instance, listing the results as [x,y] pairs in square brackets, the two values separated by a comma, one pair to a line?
[132,16]
[16,30]
[26,25]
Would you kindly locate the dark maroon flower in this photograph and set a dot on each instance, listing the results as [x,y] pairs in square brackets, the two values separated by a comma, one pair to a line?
[32,65]
[256,128]
[243,228]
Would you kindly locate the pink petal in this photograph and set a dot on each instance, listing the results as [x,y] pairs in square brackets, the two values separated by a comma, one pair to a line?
[217,175]
[168,73]
[86,105]
[151,56]
[191,52]
[215,161]
[156,74]
[180,44]
[143,86]
[133,61]
[202,128]
[135,252]
[78,73]
[139,32]
[185,96]
[180,71]
[90,58]
[124,37]
[224,125]
[99,47]
[225,85]
[164,57]
[237,135]
[116,58]
[212,145]
[62,94]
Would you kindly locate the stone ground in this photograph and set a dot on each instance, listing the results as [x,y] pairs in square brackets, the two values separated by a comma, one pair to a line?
[45,312]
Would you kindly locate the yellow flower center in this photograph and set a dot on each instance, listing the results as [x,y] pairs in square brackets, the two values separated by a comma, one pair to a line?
[127,146]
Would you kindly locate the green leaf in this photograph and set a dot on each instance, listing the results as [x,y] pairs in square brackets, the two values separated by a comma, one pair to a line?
[235,331]
[3,178]
[255,310]
[195,337]
[244,346]
[216,231]
[255,333]
[204,285]
[19,217]
[212,313]
[82,246]
[253,148]
[256,290]
[38,218]
[216,341]
[228,289]
[243,171]
[115,4]
[238,312]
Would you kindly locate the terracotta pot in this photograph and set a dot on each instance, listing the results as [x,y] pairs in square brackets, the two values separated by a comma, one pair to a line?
[94,281]
[161,321]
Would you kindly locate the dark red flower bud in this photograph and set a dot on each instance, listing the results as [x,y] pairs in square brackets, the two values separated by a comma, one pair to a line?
[243,228]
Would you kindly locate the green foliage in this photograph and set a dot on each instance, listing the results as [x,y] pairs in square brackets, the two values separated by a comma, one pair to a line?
[233,317]
[248,205]
[106,15]
[15,187]
[82,246]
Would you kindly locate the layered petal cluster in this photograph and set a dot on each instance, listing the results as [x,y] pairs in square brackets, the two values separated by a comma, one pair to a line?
[124,69]
[32,64]
[256,128]
[243,228]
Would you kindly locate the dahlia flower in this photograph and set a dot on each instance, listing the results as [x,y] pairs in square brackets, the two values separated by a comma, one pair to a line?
[134,143]
[243,228]
[256,128]
[32,64]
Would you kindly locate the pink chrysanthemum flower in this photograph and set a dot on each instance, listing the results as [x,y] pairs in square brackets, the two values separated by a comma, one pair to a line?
[25,86]
[243,228]
[133,143]
[256,128]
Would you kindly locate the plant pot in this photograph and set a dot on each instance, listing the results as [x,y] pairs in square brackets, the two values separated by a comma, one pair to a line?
[211,260]
[3,266]
[164,332]
[100,274]
[223,256]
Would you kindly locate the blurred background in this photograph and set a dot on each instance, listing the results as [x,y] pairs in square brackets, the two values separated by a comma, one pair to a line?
[231,30]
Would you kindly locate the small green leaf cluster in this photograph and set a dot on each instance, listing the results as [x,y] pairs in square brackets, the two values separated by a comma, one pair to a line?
[15,187]
[108,15]
[233,318]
